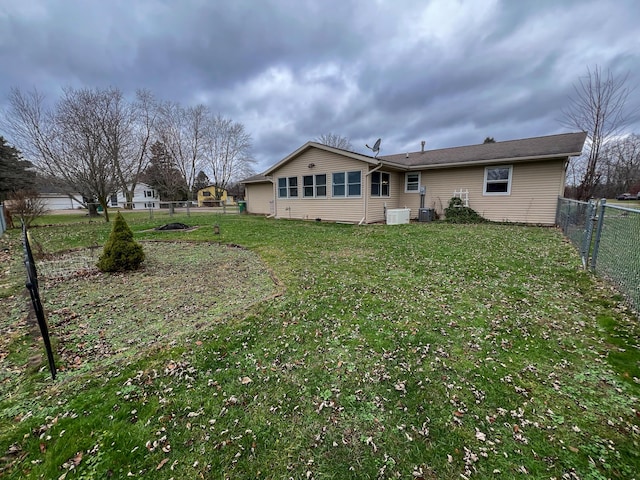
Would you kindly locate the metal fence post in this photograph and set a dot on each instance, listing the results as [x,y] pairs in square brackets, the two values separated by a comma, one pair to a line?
[588,233]
[596,245]
[3,226]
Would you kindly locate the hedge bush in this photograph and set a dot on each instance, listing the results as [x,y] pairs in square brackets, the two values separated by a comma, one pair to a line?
[121,252]
[458,213]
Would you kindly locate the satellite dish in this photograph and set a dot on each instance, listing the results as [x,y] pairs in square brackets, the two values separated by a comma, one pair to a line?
[375,148]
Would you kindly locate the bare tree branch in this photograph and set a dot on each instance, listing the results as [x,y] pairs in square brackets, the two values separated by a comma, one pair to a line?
[335,140]
[598,108]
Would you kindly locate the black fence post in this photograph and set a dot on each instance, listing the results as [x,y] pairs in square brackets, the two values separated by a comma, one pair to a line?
[34,293]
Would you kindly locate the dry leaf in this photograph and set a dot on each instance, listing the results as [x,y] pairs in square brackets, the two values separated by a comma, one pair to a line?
[245,380]
[77,459]
[162,463]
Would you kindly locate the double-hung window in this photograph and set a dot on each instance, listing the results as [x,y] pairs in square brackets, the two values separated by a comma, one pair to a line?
[497,180]
[347,184]
[314,186]
[288,187]
[379,184]
[412,182]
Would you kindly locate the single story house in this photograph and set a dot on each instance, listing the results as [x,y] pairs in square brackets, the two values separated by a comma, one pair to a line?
[144,197]
[512,181]
[60,201]
[207,197]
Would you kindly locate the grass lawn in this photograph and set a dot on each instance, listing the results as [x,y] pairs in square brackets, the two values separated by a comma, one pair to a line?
[319,351]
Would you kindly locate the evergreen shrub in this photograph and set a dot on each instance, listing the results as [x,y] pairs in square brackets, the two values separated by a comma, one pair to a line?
[121,252]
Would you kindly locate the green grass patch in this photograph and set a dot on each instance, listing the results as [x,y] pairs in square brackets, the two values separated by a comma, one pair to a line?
[320,350]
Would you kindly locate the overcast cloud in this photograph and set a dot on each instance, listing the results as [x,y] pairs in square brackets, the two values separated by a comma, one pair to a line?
[450,72]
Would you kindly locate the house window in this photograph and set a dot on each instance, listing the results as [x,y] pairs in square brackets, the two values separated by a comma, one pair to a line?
[307,186]
[354,184]
[288,187]
[321,185]
[347,184]
[379,184]
[314,186]
[148,193]
[206,194]
[412,182]
[497,180]
[114,200]
[338,184]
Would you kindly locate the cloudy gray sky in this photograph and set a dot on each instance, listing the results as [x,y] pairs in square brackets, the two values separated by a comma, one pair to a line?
[450,72]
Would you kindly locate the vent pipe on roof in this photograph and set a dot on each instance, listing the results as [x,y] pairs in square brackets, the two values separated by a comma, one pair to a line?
[423,143]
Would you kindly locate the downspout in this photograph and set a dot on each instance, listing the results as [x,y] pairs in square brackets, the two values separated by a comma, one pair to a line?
[275,196]
[366,196]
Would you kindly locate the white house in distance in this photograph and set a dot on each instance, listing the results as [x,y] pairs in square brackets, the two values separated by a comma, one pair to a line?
[145,197]
[54,197]
[59,201]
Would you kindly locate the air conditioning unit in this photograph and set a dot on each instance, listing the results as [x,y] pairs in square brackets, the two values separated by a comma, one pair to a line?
[397,216]
[426,214]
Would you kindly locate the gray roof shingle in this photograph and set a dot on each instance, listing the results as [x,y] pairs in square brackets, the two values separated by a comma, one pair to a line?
[562,145]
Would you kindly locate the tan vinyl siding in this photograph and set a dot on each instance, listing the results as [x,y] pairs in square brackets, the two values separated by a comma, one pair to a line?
[259,197]
[346,209]
[376,205]
[535,187]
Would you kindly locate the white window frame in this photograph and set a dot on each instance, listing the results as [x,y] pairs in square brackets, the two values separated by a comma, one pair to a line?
[486,181]
[314,186]
[346,184]
[288,187]
[388,178]
[406,182]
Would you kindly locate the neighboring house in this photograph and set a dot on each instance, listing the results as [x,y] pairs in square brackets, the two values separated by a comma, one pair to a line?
[144,197]
[207,197]
[512,181]
[60,201]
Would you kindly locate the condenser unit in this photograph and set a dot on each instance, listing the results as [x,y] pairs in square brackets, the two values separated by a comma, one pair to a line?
[397,216]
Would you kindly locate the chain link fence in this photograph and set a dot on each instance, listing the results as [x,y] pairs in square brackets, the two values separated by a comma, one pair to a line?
[3,225]
[608,237]
[169,209]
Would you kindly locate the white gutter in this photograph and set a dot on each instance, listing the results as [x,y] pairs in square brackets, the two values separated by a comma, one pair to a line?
[374,170]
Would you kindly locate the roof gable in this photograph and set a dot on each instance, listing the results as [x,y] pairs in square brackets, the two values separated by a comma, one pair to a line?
[537,148]
[320,146]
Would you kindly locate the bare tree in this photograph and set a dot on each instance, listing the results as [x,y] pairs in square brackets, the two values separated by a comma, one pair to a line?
[26,205]
[598,108]
[84,157]
[183,133]
[163,175]
[621,166]
[335,140]
[127,129]
[228,152]
[79,141]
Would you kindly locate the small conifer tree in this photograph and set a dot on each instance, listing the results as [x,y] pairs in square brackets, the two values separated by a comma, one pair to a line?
[121,252]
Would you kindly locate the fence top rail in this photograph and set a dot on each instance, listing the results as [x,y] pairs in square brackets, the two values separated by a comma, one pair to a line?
[574,201]
[620,207]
